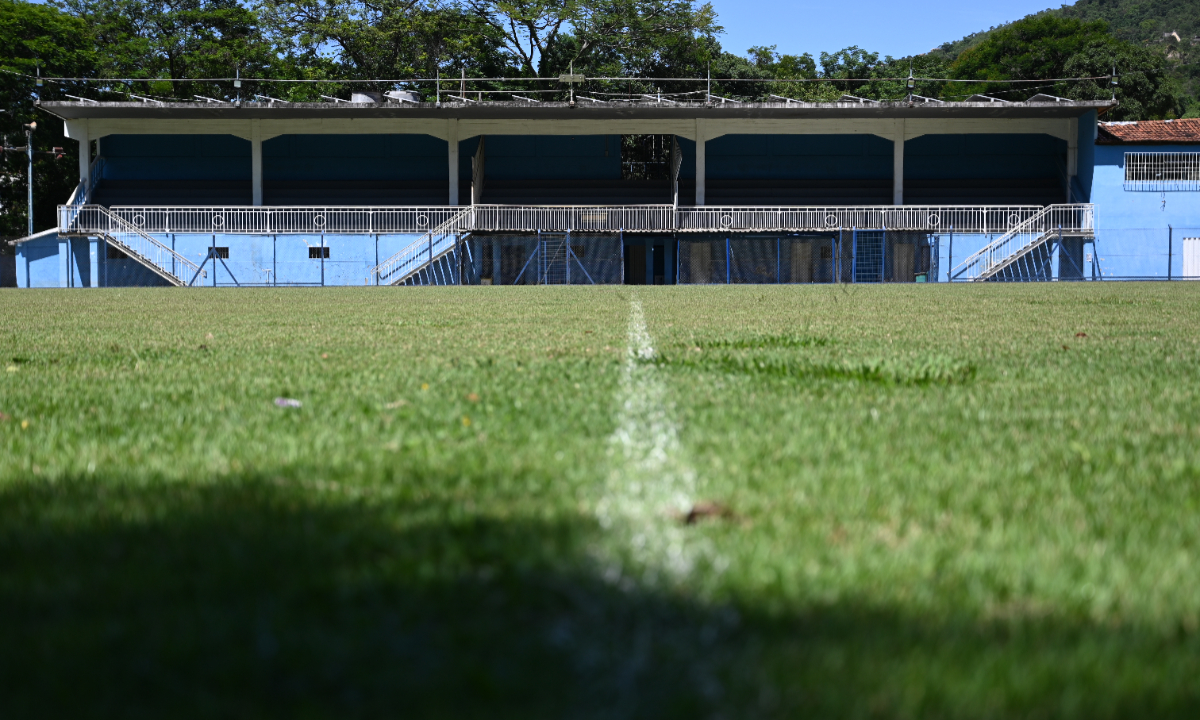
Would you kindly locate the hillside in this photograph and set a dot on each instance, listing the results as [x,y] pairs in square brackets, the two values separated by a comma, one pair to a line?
[1171,26]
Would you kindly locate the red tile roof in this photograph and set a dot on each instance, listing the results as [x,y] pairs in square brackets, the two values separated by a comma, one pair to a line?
[1150,132]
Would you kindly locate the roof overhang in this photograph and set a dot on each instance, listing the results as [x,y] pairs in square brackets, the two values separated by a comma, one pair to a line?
[581,110]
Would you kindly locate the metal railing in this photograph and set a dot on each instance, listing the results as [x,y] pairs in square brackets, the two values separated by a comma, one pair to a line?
[1075,220]
[964,219]
[564,218]
[574,218]
[425,250]
[1162,171]
[96,220]
[286,220]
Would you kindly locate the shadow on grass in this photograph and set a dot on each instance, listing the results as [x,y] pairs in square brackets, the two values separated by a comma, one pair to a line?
[254,599]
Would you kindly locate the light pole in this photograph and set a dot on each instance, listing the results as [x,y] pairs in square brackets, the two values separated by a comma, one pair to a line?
[29,154]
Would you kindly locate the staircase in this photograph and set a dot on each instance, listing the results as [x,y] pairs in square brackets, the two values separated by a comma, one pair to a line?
[97,221]
[423,262]
[1026,250]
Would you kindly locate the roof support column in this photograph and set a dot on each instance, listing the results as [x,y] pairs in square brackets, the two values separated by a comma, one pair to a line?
[1072,156]
[452,144]
[699,161]
[256,161]
[85,160]
[898,164]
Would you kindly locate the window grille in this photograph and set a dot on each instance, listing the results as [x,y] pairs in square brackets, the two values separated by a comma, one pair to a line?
[218,253]
[1162,171]
[316,253]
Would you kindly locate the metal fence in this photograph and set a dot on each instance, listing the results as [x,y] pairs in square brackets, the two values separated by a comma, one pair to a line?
[983,219]
[561,218]
[543,259]
[735,260]
[574,218]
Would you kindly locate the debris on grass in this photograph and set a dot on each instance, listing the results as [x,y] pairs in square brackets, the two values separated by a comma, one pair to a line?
[283,402]
[12,368]
[1081,334]
[472,397]
[4,417]
[706,509]
[395,404]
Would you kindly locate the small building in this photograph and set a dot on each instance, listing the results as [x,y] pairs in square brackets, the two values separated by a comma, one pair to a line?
[1146,188]
[598,190]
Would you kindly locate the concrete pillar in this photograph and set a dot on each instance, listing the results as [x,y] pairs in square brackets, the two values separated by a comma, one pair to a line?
[699,162]
[85,160]
[898,164]
[452,143]
[256,161]
[96,253]
[64,262]
[1072,156]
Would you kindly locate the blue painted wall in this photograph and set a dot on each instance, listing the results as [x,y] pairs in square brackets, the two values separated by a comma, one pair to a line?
[794,157]
[175,157]
[1133,235]
[546,157]
[355,157]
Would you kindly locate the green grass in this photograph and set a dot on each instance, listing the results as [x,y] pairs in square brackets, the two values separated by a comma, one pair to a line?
[942,503]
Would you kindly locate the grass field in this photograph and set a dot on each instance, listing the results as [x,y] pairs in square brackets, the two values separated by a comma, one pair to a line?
[875,502]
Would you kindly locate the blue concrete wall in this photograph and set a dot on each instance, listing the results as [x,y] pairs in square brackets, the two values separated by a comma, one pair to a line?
[546,157]
[793,157]
[175,157]
[38,263]
[355,157]
[1133,227]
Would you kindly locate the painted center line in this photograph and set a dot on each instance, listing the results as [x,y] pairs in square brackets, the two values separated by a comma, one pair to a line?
[650,484]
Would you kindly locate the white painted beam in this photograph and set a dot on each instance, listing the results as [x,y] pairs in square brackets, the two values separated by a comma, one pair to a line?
[700,161]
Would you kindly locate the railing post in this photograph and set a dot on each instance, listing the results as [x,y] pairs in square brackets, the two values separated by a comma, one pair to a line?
[950,257]
[1170,249]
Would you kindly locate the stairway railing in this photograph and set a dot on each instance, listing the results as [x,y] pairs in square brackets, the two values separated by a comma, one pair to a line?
[145,249]
[425,250]
[1076,219]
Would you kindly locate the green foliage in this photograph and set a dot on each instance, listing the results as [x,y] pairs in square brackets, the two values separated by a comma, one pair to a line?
[38,38]
[176,40]
[1047,46]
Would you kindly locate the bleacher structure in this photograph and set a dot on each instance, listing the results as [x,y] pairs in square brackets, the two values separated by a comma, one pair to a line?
[384,193]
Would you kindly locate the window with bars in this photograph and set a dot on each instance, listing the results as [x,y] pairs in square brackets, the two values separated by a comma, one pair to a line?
[1162,171]
[316,253]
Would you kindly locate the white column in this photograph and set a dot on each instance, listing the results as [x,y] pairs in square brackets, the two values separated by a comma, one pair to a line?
[1072,156]
[256,161]
[699,162]
[452,143]
[898,164]
[85,158]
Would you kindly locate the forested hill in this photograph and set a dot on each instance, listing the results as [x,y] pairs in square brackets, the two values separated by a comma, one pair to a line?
[1170,27]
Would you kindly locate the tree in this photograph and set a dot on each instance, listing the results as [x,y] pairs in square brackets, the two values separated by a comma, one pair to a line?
[381,39]
[176,40]
[38,38]
[1049,47]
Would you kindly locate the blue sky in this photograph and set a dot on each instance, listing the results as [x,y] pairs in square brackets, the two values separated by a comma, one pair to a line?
[889,27]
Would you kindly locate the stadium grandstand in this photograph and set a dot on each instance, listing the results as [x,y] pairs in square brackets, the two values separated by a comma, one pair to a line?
[389,190]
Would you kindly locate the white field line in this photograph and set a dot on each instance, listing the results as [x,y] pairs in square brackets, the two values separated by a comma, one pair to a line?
[649,485]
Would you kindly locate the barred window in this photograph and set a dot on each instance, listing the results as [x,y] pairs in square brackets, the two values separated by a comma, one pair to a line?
[1162,171]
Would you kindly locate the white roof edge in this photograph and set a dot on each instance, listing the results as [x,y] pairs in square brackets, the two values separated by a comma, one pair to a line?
[35,236]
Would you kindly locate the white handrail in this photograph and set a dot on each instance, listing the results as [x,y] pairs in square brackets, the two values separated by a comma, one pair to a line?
[424,250]
[1074,219]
